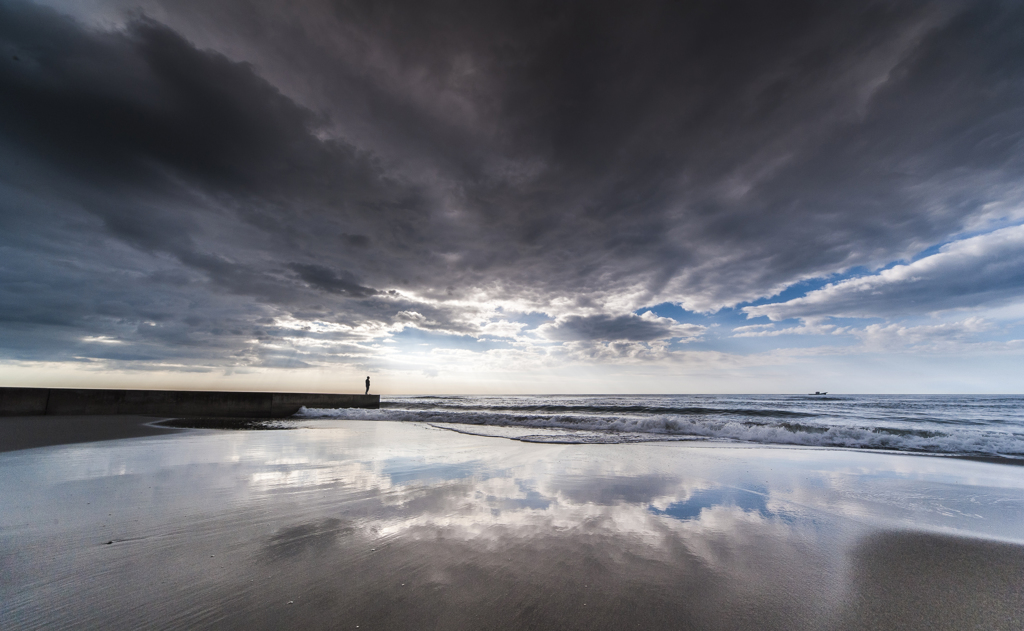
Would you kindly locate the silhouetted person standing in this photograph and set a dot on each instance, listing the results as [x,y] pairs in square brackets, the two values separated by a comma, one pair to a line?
[367,384]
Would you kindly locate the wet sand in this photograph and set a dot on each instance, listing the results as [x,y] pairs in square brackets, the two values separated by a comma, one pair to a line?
[919,581]
[386,525]
[29,432]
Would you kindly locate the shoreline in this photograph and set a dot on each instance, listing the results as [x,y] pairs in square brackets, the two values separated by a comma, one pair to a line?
[698,441]
[30,432]
[386,524]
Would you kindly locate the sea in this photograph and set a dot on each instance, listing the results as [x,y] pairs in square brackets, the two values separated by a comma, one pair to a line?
[987,426]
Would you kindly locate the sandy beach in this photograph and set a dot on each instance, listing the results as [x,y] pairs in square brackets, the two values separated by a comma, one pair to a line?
[385,525]
[28,432]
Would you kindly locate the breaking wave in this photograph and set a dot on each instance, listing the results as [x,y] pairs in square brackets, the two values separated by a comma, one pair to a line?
[963,426]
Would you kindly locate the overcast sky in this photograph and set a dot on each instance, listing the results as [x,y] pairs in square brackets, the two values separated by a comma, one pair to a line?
[512,196]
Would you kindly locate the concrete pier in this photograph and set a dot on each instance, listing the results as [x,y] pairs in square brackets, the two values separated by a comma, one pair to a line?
[67,401]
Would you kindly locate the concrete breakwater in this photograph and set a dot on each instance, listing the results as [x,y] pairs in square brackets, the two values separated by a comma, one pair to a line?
[68,401]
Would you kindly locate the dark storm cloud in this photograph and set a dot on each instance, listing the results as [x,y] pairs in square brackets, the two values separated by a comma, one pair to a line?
[130,109]
[712,151]
[179,153]
[323,278]
[176,183]
[634,328]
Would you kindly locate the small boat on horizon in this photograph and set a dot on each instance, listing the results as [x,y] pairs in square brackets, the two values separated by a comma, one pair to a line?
[818,394]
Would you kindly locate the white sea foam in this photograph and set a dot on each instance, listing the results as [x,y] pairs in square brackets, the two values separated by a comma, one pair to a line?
[961,426]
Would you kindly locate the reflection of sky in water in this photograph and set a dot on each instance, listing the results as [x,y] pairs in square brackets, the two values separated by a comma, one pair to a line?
[460,481]
[530,498]
[337,494]
[405,470]
[691,508]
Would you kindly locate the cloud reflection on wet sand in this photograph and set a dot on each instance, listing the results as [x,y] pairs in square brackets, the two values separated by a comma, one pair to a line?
[390,525]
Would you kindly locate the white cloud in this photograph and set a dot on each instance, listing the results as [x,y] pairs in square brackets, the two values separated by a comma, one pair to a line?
[502,328]
[986,270]
[808,328]
[945,336]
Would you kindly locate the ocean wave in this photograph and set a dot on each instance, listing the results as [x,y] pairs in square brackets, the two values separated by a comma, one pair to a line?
[965,441]
[600,409]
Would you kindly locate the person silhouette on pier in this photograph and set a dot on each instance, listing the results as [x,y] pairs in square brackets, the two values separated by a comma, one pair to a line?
[367,384]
